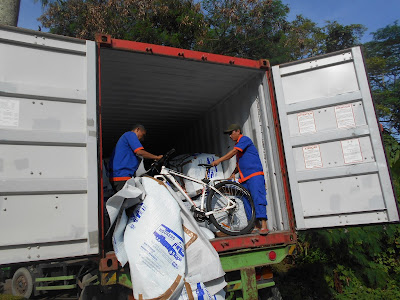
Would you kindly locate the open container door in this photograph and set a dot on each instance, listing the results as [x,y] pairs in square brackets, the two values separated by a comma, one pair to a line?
[336,162]
[48,147]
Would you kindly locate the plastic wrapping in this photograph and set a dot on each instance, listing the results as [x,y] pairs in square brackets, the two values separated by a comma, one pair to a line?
[166,249]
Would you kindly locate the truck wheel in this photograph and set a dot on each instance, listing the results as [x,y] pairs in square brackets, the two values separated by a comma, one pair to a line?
[22,283]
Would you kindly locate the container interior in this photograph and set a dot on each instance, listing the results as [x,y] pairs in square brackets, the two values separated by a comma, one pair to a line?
[186,105]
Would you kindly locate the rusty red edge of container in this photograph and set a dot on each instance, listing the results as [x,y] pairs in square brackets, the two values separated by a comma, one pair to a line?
[221,244]
[109,262]
[249,241]
[107,41]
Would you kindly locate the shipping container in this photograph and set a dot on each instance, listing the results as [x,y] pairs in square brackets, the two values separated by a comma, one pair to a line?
[65,102]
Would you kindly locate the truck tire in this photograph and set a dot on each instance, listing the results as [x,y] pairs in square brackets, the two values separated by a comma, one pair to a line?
[22,283]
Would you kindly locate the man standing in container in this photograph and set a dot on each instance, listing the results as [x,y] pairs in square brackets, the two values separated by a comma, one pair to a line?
[124,160]
[251,172]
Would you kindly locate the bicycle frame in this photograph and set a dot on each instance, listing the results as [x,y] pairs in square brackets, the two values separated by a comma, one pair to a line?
[168,174]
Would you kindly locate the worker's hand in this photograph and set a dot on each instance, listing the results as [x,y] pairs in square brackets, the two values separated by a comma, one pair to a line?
[232,177]
[215,163]
[159,157]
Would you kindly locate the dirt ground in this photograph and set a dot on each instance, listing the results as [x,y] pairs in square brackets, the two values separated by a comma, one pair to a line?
[5,288]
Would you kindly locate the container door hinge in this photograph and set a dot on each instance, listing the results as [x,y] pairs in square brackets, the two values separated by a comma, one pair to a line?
[264,64]
[103,39]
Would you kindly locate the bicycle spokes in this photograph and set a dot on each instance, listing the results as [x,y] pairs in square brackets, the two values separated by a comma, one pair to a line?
[228,209]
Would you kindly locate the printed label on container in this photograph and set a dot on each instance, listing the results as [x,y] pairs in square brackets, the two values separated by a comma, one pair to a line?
[9,113]
[345,116]
[312,157]
[351,151]
[306,122]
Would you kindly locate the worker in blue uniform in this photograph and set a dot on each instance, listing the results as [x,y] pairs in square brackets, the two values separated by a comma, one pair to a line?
[124,160]
[251,174]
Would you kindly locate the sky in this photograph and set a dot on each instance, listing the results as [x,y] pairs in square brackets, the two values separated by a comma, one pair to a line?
[373,14]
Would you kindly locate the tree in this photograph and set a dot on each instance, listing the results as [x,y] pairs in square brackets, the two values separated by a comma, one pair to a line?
[304,39]
[340,37]
[245,28]
[175,23]
[383,62]
[9,11]
[252,29]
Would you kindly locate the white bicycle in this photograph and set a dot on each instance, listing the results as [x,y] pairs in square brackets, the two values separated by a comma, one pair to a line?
[224,203]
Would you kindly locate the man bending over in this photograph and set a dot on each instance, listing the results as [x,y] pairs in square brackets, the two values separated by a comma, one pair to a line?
[124,160]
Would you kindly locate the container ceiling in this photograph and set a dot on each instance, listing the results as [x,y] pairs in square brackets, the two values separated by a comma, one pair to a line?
[165,94]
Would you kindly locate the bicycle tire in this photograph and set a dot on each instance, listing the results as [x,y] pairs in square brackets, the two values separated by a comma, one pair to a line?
[223,220]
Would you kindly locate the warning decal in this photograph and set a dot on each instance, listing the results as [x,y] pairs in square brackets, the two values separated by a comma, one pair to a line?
[345,116]
[306,122]
[351,151]
[312,157]
[9,113]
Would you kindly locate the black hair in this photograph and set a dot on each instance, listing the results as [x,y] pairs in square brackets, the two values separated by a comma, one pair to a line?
[140,126]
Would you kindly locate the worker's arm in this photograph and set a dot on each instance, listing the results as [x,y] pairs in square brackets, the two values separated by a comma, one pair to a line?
[233,173]
[227,156]
[143,153]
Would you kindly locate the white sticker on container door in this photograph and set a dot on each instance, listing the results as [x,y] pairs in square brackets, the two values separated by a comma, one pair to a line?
[345,116]
[9,113]
[351,151]
[306,122]
[312,157]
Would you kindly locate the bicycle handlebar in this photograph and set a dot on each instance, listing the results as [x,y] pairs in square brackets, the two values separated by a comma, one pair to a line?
[165,158]
[156,166]
[205,165]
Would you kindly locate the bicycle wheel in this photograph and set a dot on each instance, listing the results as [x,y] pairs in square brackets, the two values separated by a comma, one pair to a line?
[233,221]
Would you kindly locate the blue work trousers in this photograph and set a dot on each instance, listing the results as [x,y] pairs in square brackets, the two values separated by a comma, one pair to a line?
[256,186]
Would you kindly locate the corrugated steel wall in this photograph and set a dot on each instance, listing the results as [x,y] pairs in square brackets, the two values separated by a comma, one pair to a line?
[48,147]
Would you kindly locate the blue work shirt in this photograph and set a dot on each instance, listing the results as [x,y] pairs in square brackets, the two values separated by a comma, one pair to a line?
[124,161]
[248,161]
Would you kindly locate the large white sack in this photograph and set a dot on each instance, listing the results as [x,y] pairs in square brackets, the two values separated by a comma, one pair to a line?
[154,244]
[131,194]
[202,260]
[189,165]
[198,291]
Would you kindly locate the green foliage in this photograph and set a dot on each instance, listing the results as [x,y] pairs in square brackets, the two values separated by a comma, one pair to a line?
[245,28]
[353,263]
[383,62]
[340,37]
[259,29]
[44,2]
[304,39]
[176,23]
[392,148]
